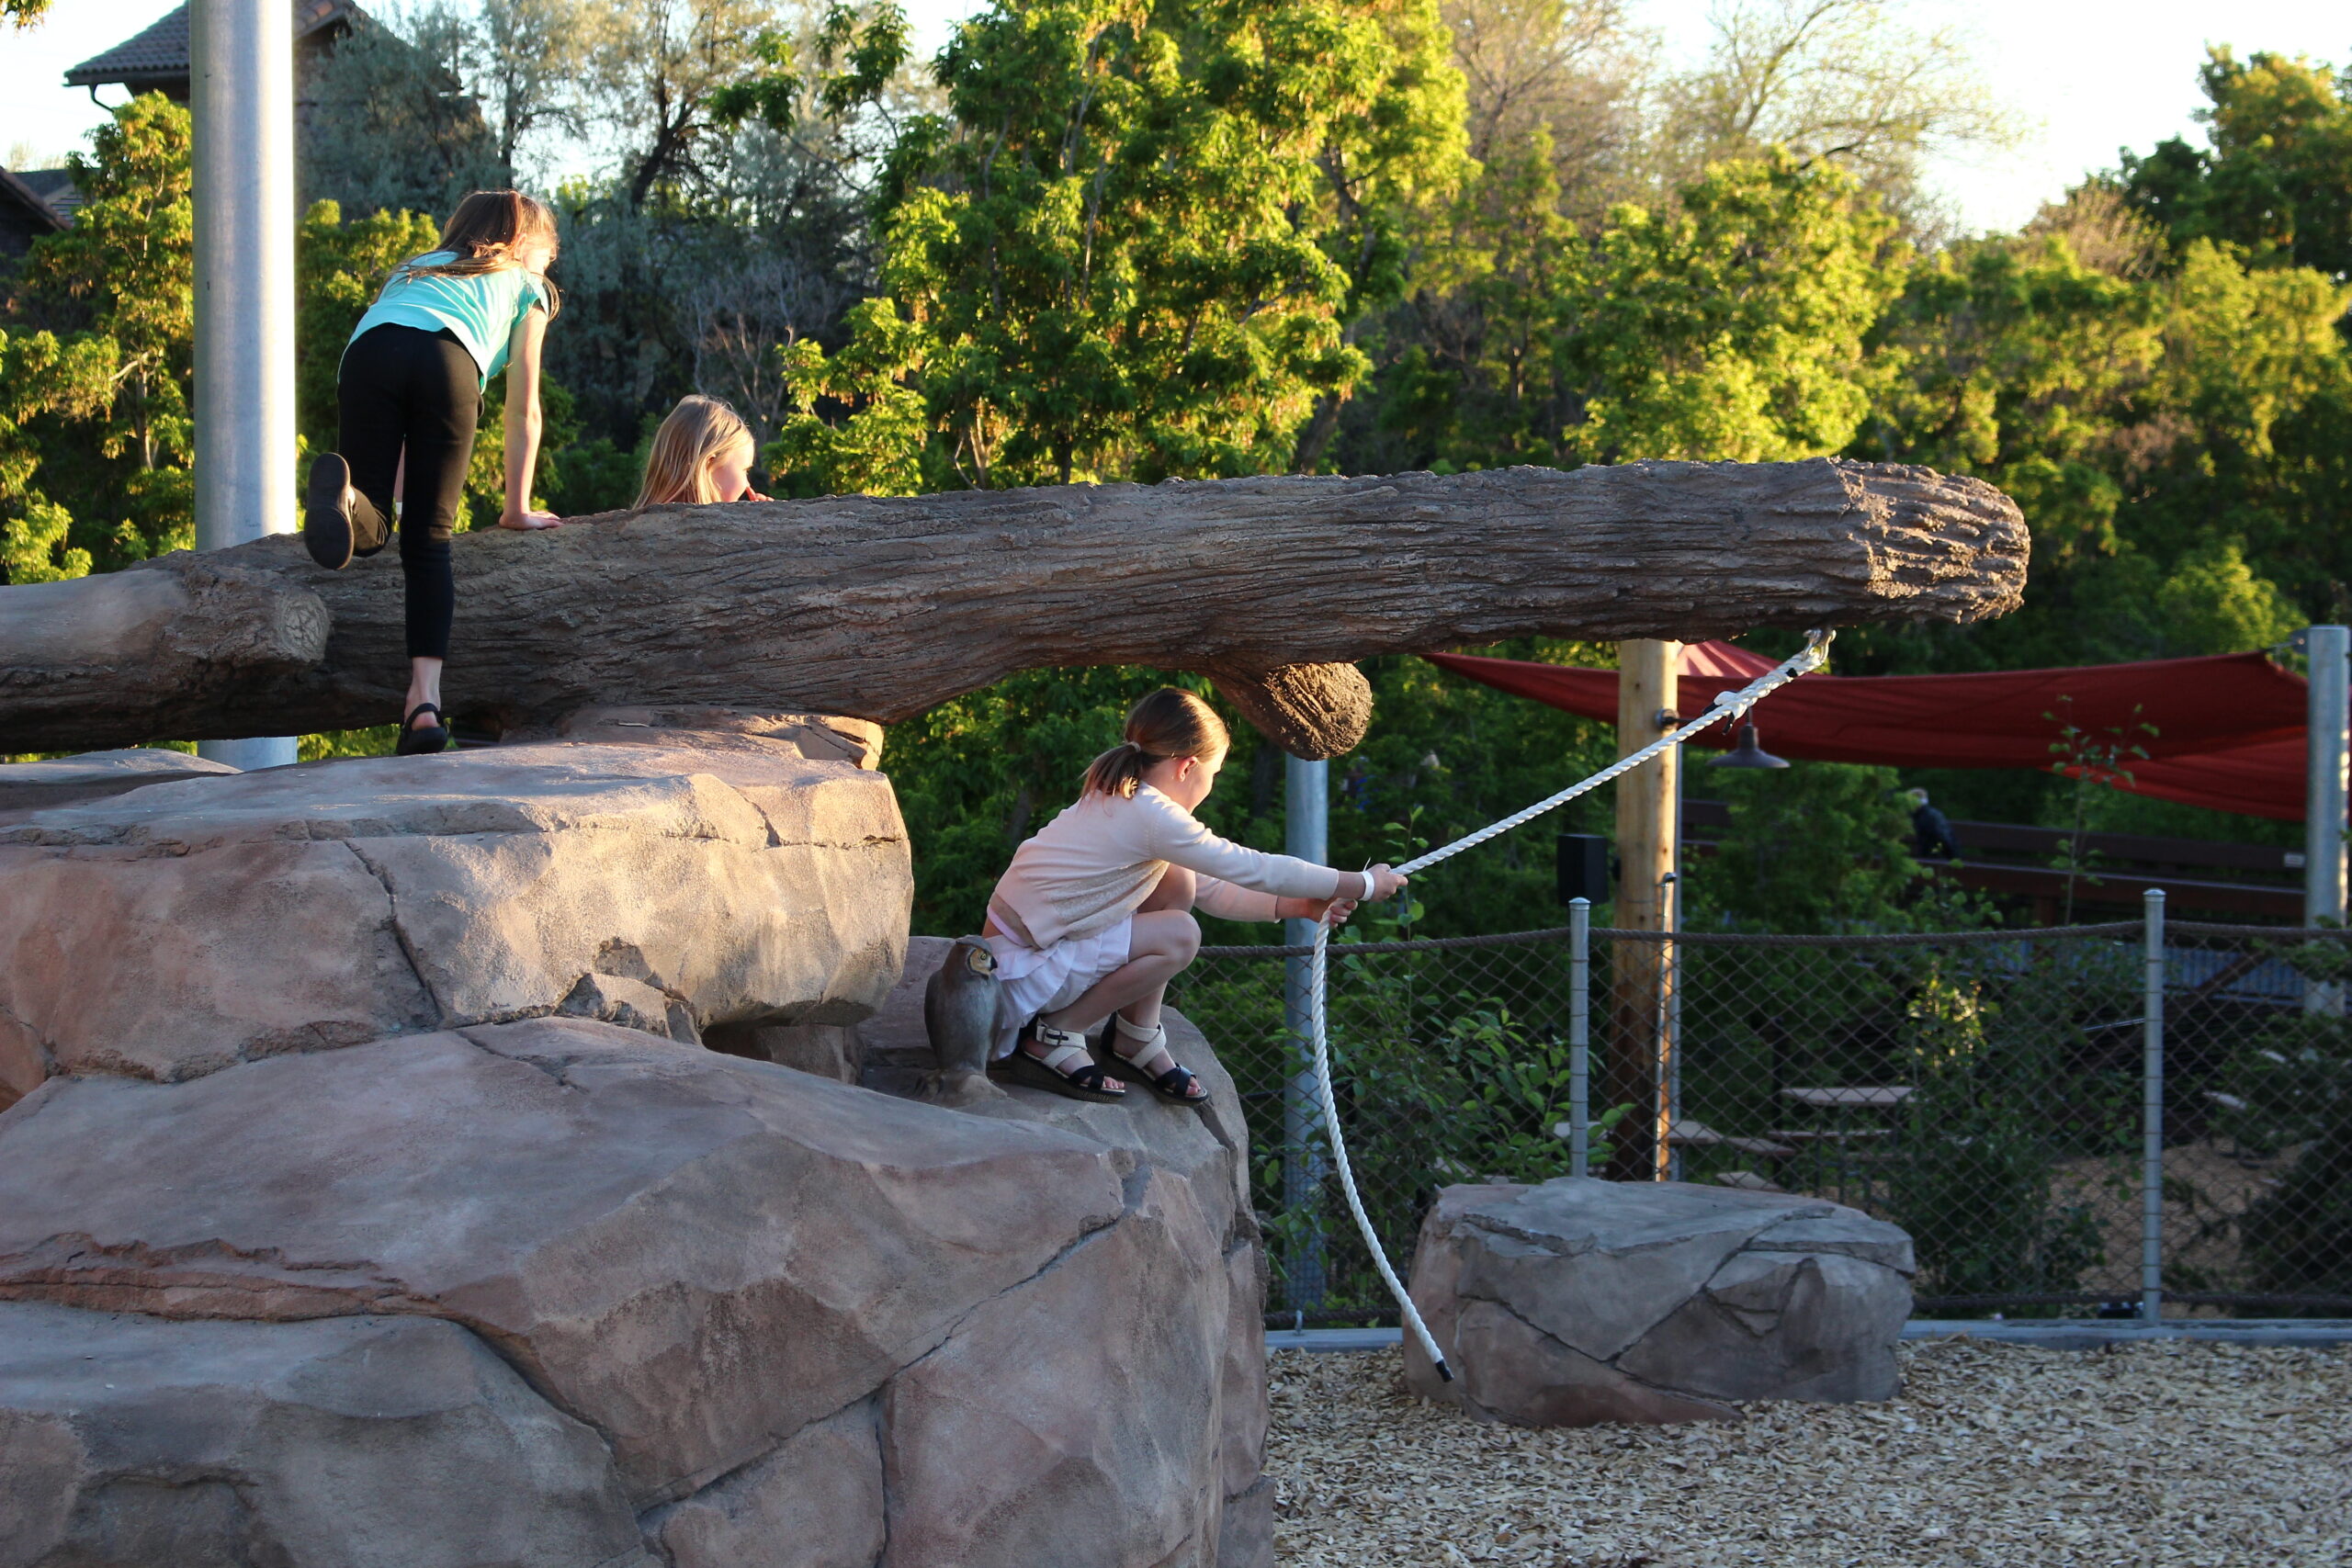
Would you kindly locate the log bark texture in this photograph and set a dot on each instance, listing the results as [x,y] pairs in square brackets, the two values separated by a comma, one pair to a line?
[880,608]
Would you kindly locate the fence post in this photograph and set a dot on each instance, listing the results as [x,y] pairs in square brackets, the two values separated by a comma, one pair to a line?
[2327,744]
[2151,1111]
[1581,1036]
[1307,818]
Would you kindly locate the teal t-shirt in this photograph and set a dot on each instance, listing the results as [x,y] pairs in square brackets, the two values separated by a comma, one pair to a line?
[482,310]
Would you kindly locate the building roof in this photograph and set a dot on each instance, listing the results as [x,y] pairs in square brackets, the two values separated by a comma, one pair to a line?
[26,207]
[160,54]
[54,186]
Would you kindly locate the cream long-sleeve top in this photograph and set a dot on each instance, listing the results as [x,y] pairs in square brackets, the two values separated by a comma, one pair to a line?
[1094,865]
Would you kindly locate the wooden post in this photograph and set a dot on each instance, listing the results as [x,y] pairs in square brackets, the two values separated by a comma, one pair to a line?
[1639,1072]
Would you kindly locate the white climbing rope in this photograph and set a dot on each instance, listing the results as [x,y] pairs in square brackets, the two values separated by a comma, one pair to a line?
[1727,705]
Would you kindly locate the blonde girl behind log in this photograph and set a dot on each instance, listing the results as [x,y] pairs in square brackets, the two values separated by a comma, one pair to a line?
[702,454]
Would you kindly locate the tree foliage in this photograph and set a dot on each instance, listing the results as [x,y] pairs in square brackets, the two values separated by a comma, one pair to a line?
[122,274]
[2276,180]
[1133,239]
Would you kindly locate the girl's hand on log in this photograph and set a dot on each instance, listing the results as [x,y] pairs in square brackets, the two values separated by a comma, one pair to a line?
[530,522]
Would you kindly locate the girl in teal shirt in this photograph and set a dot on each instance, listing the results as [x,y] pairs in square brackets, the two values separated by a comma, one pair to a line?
[410,391]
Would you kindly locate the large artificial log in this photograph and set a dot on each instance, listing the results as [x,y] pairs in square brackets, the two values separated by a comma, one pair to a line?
[881,608]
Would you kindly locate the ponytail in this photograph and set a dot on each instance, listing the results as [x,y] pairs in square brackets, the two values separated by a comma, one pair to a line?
[1168,723]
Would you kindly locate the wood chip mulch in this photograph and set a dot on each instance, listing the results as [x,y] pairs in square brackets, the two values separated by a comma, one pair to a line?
[1998,1455]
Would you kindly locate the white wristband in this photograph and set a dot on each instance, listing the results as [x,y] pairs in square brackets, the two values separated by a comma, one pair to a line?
[1369,884]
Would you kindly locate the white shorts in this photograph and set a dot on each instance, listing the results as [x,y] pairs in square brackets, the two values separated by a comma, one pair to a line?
[1031,981]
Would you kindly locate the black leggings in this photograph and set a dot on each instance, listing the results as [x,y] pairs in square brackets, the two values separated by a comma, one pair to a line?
[405,387]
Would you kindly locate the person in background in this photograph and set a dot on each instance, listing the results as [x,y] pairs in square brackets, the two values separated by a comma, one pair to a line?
[1931,834]
[702,454]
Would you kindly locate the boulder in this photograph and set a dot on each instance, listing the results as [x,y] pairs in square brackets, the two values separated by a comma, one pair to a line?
[818,737]
[182,928]
[806,1319]
[816,1500]
[1206,1151]
[1580,1301]
[94,776]
[694,1254]
[350,1443]
[832,1051]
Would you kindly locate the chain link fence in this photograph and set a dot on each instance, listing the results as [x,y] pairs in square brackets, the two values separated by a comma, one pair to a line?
[1992,1092]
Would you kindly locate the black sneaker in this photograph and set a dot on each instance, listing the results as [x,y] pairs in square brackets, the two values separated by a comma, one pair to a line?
[326,512]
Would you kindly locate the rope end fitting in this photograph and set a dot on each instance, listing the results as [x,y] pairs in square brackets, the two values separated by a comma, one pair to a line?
[1444,1372]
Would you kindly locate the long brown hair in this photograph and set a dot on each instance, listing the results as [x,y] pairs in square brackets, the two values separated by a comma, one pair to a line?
[488,233]
[698,432]
[1168,723]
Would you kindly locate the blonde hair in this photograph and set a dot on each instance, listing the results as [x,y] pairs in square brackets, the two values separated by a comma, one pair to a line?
[698,432]
[1168,723]
[489,232]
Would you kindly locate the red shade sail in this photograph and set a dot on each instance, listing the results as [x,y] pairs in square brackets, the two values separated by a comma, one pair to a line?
[2229,729]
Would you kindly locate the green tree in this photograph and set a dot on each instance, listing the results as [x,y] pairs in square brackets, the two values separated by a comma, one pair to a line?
[392,125]
[1847,82]
[1113,248]
[39,375]
[23,13]
[1813,847]
[1733,328]
[2273,181]
[124,272]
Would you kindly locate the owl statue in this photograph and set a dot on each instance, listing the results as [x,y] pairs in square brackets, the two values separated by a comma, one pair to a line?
[959,1014]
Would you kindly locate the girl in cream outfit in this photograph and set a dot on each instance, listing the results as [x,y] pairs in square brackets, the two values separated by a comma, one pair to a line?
[1094,916]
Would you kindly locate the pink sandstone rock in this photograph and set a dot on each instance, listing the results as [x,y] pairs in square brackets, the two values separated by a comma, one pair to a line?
[180,928]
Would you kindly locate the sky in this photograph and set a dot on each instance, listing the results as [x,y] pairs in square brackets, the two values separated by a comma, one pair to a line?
[2085,77]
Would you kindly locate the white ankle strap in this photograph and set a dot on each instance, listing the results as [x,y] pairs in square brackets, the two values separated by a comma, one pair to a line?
[1135,1031]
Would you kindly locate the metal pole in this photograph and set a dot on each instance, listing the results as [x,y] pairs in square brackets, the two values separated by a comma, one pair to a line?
[2327,746]
[2152,1110]
[1674,971]
[1305,834]
[1669,1028]
[1581,1036]
[242,88]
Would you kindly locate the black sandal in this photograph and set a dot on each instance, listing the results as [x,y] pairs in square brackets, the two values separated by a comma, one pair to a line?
[326,513]
[424,743]
[1058,1070]
[1177,1082]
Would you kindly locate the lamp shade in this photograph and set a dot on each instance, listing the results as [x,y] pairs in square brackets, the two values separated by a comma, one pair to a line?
[1746,753]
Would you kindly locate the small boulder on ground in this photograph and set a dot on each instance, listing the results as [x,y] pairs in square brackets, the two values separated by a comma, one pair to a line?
[1580,1302]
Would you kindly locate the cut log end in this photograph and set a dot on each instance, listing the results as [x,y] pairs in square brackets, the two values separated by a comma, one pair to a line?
[1313,711]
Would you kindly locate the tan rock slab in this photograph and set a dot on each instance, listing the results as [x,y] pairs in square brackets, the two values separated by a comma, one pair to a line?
[175,929]
[815,1502]
[1081,1408]
[354,1442]
[94,776]
[694,1254]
